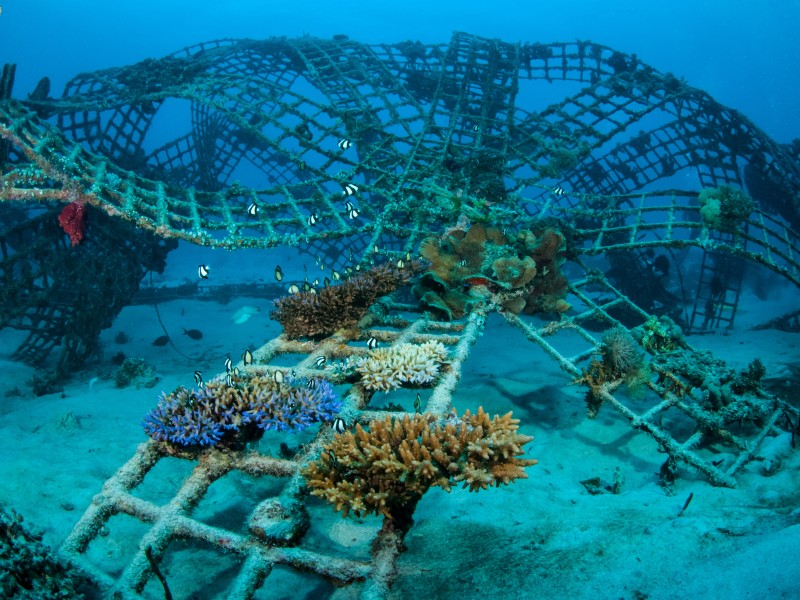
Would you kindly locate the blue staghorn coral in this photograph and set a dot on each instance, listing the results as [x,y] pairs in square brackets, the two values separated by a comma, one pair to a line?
[233,415]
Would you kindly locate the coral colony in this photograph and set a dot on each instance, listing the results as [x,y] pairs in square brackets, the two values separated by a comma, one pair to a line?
[386,468]
[386,369]
[219,414]
[521,271]
[317,314]
[73,221]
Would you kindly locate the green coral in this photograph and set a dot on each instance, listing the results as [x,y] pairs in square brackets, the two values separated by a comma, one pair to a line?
[658,335]
[725,208]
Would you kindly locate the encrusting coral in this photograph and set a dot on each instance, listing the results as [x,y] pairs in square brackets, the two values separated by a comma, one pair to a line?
[387,468]
[521,271]
[621,358]
[389,368]
[725,208]
[315,314]
[218,414]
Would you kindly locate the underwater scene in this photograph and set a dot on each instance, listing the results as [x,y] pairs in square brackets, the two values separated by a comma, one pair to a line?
[399,300]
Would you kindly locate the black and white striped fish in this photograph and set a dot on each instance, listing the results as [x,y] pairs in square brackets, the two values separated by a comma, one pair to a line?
[344,144]
[339,425]
[349,189]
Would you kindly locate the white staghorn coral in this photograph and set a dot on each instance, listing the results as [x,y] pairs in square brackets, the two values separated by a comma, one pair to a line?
[386,369]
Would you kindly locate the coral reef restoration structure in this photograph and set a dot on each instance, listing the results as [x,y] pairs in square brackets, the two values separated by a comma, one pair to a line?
[564,220]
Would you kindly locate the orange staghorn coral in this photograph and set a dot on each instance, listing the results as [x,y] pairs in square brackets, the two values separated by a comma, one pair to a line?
[317,314]
[387,468]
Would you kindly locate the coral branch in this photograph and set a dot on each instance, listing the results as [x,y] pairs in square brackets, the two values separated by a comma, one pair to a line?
[387,468]
[317,314]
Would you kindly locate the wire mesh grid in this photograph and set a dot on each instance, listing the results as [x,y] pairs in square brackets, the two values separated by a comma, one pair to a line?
[439,133]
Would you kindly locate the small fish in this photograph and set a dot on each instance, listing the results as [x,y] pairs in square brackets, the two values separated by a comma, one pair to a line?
[400,263]
[202,271]
[293,374]
[252,210]
[161,340]
[559,191]
[278,273]
[372,343]
[312,220]
[320,361]
[198,378]
[339,425]
[350,189]
[375,249]
[306,286]
[243,314]
[195,334]
[408,255]
[315,283]
[348,206]
[228,365]
[235,371]
[279,377]
[247,358]
[348,270]
[418,404]
[462,262]
[353,214]
[294,289]
[326,282]
[336,275]
[229,380]
[311,384]
[344,144]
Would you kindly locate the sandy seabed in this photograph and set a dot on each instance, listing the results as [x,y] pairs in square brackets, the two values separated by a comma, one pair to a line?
[541,537]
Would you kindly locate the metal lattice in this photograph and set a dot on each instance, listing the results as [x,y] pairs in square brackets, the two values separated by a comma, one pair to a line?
[438,132]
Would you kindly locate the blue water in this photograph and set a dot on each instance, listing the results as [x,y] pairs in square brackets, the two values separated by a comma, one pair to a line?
[744,53]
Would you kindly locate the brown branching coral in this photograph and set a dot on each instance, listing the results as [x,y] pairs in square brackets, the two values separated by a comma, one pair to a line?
[317,314]
[521,271]
[387,468]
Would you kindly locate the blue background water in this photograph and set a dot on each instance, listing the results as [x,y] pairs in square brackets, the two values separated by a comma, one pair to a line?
[744,53]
